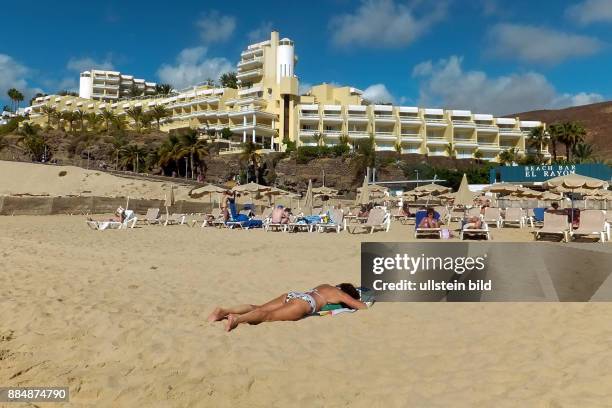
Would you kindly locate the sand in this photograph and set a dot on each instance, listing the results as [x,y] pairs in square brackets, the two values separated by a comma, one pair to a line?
[36,179]
[120,318]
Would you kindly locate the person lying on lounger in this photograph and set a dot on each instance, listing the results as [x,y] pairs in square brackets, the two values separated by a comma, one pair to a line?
[289,306]
[429,221]
[473,222]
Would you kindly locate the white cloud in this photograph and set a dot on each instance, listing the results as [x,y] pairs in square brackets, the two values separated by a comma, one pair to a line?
[591,11]
[87,63]
[215,27]
[15,75]
[446,84]
[193,67]
[383,23]
[261,33]
[378,93]
[304,87]
[537,44]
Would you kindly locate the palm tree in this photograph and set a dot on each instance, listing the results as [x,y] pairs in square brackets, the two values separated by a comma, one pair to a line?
[31,141]
[146,119]
[119,123]
[12,94]
[18,98]
[229,80]
[168,150]
[135,113]
[93,121]
[537,139]
[366,155]
[50,112]
[249,155]
[478,155]
[118,142]
[132,155]
[69,118]
[450,150]
[398,149]
[79,116]
[318,137]
[109,117]
[583,152]
[159,112]
[163,89]
[555,133]
[574,135]
[195,148]
[507,156]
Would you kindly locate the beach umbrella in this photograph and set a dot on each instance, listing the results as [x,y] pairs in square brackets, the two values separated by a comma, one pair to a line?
[308,199]
[501,188]
[208,190]
[363,196]
[527,192]
[573,181]
[464,196]
[275,192]
[550,196]
[433,189]
[321,191]
[169,200]
[250,188]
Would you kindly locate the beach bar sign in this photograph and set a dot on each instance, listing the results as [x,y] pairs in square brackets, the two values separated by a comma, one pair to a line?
[543,172]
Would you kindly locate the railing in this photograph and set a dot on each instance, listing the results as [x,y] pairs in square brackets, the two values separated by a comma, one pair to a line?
[253,72]
[463,122]
[509,130]
[379,116]
[310,115]
[331,116]
[357,116]
[486,125]
[435,120]
[358,134]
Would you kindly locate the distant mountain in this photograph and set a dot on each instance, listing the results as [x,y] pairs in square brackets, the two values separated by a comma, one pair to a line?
[596,118]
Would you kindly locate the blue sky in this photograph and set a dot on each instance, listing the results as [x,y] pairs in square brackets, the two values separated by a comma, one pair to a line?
[486,55]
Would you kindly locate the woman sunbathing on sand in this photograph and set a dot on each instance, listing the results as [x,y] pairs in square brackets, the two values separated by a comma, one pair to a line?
[289,306]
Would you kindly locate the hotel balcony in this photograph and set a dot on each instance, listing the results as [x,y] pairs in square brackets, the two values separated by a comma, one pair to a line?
[488,147]
[436,122]
[358,134]
[437,141]
[332,134]
[385,136]
[384,118]
[246,64]
[465,143]
[357,118]
[332,117]
[486,128]
[251,53]
[250,91]
[410,120]
[310,117]
[411,138]
[252,74]
[503,131]
[435,152]
[463,124]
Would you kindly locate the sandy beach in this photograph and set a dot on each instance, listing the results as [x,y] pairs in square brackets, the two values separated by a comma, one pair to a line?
[120,318]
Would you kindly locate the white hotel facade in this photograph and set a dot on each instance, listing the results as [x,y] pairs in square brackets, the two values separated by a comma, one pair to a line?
[267,108]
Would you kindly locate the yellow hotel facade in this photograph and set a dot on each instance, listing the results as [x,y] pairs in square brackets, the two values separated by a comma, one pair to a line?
[267,108]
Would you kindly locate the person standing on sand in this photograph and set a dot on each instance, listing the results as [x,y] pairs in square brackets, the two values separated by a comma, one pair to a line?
[290,306]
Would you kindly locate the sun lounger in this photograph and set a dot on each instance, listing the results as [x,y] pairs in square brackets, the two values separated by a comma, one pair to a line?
[554,224]
[457,214]
[514,216]
[175,219]
[152,216]
[492,215]
[592,222]
[336,222]
[483,231]
[377,219]
[241,220]
[129,222]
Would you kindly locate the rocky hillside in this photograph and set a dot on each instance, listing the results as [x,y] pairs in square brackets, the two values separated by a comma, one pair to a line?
[596,118]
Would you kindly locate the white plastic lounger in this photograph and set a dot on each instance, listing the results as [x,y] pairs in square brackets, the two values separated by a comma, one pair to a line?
[592,222]
[480,232]
[554,224]
[336,223]
[377,219]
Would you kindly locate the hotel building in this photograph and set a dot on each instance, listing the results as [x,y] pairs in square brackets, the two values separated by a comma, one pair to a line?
[111,85]
[267,109]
